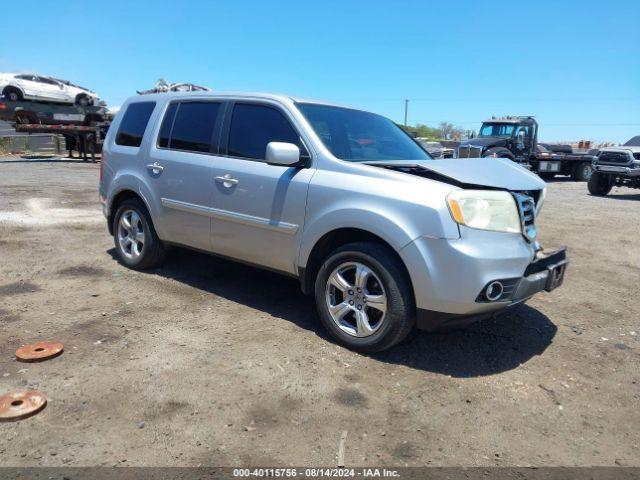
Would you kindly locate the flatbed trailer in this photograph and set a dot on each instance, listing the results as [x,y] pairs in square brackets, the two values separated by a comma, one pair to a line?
[549,164]
[46,113]
[83,128]
[86,139]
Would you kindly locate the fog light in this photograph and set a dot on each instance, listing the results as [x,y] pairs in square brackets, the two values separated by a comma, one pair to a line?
[494,291]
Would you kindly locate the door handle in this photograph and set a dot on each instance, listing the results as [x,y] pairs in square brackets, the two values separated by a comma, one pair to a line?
[155,168]
[227,180]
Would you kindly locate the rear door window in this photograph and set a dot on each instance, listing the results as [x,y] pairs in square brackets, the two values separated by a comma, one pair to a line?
[134,123]
[189,126]
[253,126]
[193,126]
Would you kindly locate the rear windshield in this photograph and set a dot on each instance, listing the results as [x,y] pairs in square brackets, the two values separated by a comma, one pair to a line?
[134,123]
[359,136]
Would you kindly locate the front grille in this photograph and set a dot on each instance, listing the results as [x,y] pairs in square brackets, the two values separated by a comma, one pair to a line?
[466,151]
[620,159]
[527,209]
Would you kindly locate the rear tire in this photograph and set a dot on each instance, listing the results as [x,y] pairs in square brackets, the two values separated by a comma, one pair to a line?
[599,184]
[352,311]
[582,172]
[12,94]
[136,241]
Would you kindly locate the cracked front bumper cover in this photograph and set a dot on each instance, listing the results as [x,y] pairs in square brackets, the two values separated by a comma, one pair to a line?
[546,272]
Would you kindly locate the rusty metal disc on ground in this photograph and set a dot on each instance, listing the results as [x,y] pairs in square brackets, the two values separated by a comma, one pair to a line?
[18,405]
[39,351]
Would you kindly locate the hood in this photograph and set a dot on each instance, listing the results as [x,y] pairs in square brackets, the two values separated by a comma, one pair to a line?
[486,142]
[472,172]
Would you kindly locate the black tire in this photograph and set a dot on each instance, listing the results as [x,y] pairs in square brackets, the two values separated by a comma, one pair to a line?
[12,94]
[83,100]
[599,184]
[582,172]
[152,252]
[22,119]
[547,176]
[500,153]
[399,319]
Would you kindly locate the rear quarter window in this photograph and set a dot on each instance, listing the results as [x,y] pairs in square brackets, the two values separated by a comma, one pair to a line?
[134,123]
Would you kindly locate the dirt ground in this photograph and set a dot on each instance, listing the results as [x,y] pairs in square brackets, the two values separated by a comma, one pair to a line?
[205,362]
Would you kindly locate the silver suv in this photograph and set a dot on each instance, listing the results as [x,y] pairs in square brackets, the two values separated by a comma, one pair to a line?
[384,237]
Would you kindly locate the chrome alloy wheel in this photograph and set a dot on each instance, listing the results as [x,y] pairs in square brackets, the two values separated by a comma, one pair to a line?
[131,235]
[356,299]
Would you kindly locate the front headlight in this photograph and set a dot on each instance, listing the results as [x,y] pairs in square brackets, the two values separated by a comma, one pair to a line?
[485,209]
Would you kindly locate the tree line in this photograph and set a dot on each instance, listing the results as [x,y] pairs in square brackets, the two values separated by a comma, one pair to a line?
[444,131]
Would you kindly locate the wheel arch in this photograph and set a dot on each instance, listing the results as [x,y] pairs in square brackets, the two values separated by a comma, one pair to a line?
[118,199]
[9,88]
[332,240]
[501,152]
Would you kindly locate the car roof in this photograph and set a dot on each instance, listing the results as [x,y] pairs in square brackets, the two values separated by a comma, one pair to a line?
[278,97]
[623,148]
[510,120]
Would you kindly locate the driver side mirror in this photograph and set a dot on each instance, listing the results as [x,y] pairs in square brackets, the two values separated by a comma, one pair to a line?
[283,154]
[520,137]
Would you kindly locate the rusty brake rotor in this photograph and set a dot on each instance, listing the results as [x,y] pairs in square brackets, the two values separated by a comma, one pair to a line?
[18,405]
[39,351]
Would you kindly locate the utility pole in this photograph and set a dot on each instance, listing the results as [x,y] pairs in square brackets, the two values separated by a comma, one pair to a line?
[406,109]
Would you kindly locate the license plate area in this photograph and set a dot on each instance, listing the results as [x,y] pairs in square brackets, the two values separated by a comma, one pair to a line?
[546,166]
[556,275]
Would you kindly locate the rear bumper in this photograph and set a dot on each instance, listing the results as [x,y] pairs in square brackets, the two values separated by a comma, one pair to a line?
[541,274]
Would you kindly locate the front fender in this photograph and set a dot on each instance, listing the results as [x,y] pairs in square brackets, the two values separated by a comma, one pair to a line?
[395,229]
[500,152]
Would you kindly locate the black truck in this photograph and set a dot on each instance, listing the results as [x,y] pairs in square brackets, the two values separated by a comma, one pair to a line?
[516,138]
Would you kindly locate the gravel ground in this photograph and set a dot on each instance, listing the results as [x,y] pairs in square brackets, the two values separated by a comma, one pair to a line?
[205,362]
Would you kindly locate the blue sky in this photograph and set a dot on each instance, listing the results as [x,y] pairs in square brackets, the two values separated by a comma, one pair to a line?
[575,65]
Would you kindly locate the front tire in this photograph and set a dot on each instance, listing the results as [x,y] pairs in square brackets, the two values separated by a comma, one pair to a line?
[499,153]
[364,297]
[599,184]
[137,244]
[83,101]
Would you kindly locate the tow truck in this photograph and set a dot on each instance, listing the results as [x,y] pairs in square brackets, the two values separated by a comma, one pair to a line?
[516,138]
[83,127]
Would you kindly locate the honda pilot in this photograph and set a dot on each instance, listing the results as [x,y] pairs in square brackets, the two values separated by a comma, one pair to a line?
[384,238]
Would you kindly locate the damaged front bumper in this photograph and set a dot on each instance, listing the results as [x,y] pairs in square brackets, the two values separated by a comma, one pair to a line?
[546,272]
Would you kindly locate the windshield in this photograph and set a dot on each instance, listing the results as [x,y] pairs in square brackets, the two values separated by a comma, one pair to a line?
[359,136]
[504,130]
